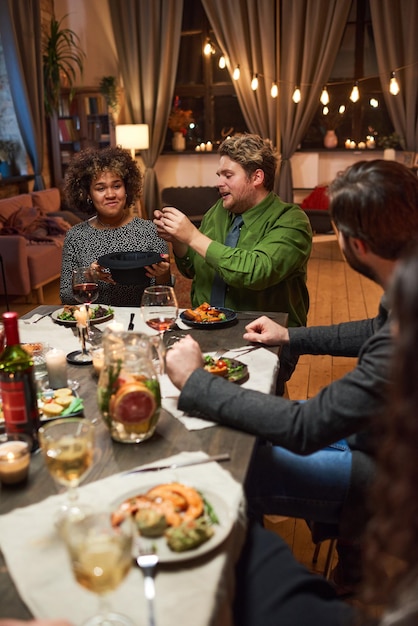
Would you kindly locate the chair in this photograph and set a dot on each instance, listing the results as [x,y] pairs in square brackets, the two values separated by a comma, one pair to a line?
[320,533]
[192,201]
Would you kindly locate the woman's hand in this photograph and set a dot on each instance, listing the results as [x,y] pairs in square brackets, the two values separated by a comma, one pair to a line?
[159,270]
[264,330]
[102,273]
[182,360]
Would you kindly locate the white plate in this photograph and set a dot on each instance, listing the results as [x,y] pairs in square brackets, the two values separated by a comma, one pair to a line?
[221,530]
[96,320]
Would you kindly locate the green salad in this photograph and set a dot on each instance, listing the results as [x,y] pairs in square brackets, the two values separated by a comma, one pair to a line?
[67,315]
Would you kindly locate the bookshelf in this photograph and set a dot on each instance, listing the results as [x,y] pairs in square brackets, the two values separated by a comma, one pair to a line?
[82,121]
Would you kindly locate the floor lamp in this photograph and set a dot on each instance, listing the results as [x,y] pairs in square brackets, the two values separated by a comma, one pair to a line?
[132,137]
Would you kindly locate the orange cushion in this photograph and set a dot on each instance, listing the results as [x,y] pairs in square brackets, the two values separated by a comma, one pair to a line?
[47,200]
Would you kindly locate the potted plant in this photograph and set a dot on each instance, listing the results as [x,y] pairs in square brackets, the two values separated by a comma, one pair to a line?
[61,58]
[109,90]
[389,144]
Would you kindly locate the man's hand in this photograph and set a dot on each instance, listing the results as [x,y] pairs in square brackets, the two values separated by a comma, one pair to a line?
[182,360]
[173,224]
[264,330]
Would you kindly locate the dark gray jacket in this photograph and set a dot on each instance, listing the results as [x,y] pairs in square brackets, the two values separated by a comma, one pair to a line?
[347,408]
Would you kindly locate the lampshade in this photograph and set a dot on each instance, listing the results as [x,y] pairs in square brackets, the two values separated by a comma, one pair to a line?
[132,137]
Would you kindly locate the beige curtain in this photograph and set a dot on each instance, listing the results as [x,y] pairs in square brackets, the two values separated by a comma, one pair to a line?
[20,32]
[147,36]
[246,33]
[310,37]
[395,33]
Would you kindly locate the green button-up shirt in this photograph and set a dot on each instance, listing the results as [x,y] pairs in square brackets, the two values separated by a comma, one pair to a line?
[267,269]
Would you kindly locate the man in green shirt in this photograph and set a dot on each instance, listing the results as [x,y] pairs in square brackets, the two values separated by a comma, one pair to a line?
[265,270]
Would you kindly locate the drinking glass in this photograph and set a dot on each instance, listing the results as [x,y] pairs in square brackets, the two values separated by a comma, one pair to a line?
[86,291]
[67,445]
[159,309]
[101,557]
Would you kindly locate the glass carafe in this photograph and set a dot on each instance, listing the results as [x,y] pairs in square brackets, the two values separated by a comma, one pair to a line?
[128,389]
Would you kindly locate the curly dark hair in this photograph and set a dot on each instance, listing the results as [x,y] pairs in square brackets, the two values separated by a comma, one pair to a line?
[87,165]
[252,153]
[376,201]
[394,527]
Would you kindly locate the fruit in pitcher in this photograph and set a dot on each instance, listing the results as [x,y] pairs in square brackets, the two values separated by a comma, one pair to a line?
[134,405]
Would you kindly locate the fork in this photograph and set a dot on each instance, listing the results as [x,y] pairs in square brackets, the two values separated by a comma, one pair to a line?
[147,560]
[38,319]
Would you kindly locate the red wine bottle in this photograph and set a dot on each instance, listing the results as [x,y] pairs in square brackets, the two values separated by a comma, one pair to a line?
[17,384]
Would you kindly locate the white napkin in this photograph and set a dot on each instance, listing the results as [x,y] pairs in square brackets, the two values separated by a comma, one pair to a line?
[47,331]
[262,368]
[193,593]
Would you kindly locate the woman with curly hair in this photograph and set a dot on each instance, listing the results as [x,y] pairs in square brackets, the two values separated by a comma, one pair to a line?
[108,181]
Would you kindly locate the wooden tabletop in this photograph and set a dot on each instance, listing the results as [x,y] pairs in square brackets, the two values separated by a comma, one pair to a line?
[170,438]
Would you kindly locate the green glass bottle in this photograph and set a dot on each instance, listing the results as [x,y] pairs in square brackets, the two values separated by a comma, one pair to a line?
[17,384]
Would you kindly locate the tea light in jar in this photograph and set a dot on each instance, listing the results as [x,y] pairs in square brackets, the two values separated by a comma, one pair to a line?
[56,364]
[197,149]
[370,142]
[14,461]
[97,356]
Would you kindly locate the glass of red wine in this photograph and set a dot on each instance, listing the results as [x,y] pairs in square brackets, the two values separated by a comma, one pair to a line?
[159,309]
[85,291]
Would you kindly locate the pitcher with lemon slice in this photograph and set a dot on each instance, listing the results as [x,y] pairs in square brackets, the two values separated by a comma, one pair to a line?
[128,389]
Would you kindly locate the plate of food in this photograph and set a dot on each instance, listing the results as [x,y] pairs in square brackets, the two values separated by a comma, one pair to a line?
[207,316]
[54,404]
[182,522]
[99,313]
[231,369]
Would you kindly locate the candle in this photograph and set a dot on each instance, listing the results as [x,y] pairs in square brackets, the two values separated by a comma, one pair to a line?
[202,147]
[370,142]
[352,145]
[14,461]
[197,148]
[56,364]
[208,146]
[97,355]
[362,145]
[348,143]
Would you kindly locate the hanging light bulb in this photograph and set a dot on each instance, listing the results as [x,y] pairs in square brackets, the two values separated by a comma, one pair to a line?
[254,82]
[237,73]
[324,96]
[393,85]
[325,111]
[274,90]
[296,95]
[222,62]
[374,102]
[341,109]
[207,50]
[355,94]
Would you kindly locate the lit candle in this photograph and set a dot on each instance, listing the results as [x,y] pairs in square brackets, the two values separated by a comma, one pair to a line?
[202,147]
[348,143]
[14,461]
[56,364]
[197,148]
[370,142]
[97,356]
[208,146]
[352,145]
[362,145]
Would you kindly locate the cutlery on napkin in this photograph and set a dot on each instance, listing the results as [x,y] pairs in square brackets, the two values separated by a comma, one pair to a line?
[131,322]
[35,319]
[155,468]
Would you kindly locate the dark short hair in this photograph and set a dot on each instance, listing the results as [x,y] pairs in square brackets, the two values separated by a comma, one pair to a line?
[376,201]
[87,165]
[252,153]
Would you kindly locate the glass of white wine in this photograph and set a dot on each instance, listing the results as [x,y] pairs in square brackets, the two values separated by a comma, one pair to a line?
[67,445]
[101,557]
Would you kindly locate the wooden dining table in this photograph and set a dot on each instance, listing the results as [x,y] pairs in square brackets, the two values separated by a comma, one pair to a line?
[170,438]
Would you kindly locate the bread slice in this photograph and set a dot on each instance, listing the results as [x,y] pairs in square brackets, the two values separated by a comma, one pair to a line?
[52,409]
[63,401]
[63,391]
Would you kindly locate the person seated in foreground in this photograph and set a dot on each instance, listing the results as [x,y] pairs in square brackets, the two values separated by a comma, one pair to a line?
[321,463]
[272,589]
[108,181]
[264,269]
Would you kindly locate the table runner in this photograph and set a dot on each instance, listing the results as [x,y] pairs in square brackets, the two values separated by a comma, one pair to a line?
[197,592]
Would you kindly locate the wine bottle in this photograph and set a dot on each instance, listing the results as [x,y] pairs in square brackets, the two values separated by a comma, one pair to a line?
[17,384]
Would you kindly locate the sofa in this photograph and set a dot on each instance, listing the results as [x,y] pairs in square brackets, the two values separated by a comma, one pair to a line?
[32,231]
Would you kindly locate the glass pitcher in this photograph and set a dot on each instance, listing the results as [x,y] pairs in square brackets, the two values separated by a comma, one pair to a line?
[128,389]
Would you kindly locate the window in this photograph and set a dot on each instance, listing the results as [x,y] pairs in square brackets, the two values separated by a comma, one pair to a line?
[202,86]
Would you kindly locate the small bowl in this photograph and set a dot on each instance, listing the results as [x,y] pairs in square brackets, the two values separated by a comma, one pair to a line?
[127,268]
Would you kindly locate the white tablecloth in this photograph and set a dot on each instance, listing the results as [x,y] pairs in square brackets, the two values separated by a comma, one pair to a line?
[196,592]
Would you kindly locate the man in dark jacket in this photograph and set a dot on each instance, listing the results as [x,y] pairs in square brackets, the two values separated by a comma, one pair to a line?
[318,461]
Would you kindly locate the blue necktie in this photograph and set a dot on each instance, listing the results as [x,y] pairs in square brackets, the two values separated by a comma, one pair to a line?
[217,297]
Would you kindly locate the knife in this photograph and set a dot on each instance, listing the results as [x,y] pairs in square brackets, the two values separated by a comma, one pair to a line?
[131,322]
[156,468]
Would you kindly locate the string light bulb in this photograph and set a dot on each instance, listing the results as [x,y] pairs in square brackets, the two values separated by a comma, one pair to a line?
[254,82]
[324,96]
[274,90]
[325,111]
[222,62]
[237,73]
[394,85]
[355,94]
[208,48]
[296,95]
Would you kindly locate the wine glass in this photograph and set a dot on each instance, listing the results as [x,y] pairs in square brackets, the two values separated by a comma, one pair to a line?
[86,291]
[67,445]
[101,557]
[159,309]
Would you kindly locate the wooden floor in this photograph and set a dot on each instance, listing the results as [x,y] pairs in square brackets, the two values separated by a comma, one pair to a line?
[337,294]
